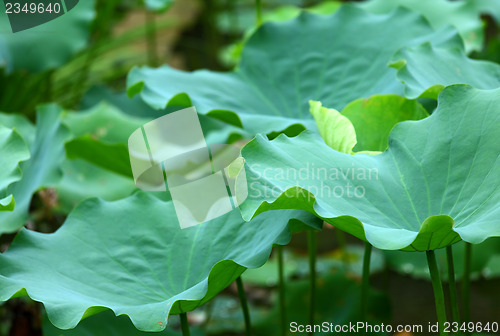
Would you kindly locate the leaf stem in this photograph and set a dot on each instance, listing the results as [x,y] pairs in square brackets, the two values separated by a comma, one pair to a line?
[258,9]
[281,277]
[438,290]
[151,38]
[312,245]
[466,282]
[365,287]
[184,325]
[341,240]
[244,306]
[452,285]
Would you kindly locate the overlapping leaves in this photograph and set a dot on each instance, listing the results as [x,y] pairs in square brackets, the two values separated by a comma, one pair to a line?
[132,257]
[427,69]
[465,15]
[43,167]
[13,150]
[334,59]
[438,182]
[364,124]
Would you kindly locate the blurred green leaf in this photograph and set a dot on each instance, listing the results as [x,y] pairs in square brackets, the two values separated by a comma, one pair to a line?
[158,5]
[465,15]
[49,45]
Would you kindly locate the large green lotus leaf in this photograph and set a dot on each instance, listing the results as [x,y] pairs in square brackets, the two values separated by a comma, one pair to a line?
[46,46]
[438,182]
[41,170]
[13,150]
[132,257]
[334,59]
[427,69]
[464,15]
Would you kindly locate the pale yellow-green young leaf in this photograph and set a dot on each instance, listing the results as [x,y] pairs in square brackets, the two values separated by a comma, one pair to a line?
[337,131]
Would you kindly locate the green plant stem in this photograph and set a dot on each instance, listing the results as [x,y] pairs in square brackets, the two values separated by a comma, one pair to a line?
[452,285]
[50,86]
[151,38]
[341,240]
[365,287]
[281,277]
[466,282]
[244,305]
[438,290]
[185,325]
[81,84]
[258,9]
[312,247]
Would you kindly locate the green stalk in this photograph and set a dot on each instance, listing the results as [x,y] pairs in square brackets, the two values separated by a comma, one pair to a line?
[438,291]
[466,282]
[281,277]
[244,306]
[185,325]
[50,86]
[312,247]
[452,285]
[258,9]
[232,15]
[151,38]
[365,287]
[341,240]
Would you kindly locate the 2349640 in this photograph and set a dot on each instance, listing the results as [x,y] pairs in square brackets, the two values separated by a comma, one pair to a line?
[17,8]
[470,327]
